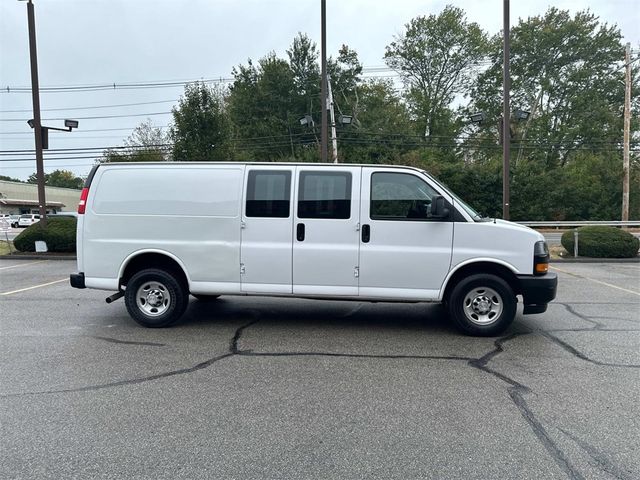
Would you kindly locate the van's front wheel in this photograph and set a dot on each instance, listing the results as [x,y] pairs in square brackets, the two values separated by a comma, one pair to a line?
[155,298]
[482,305]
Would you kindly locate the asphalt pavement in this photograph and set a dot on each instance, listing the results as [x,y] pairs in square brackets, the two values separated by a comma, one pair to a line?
[262,388]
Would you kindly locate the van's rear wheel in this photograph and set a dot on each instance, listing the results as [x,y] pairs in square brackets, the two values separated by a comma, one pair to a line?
[482,305]
[155,298]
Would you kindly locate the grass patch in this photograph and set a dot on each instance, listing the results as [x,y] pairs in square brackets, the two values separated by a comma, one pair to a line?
[4,248]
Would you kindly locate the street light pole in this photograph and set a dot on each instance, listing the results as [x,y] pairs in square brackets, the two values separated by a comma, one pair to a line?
[37,121]
[323,82]
[506,138]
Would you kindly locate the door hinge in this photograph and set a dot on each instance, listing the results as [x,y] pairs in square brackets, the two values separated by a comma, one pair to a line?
[243,225]
[357,227]
[242,269]
[356,272]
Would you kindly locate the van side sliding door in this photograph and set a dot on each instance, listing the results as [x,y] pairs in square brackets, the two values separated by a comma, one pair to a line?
[267,226]
[326,237]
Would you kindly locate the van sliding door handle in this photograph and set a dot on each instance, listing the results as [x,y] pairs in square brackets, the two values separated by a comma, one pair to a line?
[366,233]
[300,232]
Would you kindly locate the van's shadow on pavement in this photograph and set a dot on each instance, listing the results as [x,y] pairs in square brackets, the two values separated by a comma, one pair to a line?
[318,313]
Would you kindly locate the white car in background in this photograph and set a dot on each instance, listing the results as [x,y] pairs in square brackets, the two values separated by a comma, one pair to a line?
[28,219]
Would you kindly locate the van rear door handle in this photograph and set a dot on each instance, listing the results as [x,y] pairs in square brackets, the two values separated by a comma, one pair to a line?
[366,233]
[300,232]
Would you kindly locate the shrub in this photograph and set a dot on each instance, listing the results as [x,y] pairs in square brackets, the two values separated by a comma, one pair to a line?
[60,235]
[602,242]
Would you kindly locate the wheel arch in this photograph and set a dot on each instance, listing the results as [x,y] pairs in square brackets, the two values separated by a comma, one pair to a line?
[152,258]
[491,266]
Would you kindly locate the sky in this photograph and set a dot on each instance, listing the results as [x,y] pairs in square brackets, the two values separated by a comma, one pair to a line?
[107,42]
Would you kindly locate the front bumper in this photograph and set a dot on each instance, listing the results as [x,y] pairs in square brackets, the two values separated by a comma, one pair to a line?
[77,280]
[537,292]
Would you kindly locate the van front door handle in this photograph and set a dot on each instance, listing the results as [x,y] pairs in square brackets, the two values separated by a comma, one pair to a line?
[366,233]
[300,232]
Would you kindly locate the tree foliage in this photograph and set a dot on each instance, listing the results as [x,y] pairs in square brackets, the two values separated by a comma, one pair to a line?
[59,178]
[147,143]
[437,57]
[201,129]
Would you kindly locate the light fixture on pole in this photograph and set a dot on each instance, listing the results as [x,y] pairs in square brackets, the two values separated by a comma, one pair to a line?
[477,117]
[306,121]
[521,115]
[44,131]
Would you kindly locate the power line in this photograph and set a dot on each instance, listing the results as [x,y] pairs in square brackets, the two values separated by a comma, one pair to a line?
[93,117]
[28,110]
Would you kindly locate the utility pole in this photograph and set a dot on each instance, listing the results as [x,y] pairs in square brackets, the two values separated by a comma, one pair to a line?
[37,122]
[323,82]
[506,138]
[627,128]
[334,137]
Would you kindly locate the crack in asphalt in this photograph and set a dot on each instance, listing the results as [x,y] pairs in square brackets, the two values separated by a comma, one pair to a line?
[572,311]
[600,458]
[543,436]
[578,354]
[120,383]
[127,342]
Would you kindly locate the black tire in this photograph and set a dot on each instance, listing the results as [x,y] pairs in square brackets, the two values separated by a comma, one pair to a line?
[155,298]
[205,298]
[482,305]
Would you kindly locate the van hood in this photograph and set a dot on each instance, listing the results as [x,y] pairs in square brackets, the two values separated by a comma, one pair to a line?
[518,227]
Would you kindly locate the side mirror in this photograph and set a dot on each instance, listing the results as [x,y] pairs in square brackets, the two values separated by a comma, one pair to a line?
[438,208]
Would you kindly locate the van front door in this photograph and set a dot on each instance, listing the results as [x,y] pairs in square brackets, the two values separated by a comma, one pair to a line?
[267,226]
[325,236]
[403,253]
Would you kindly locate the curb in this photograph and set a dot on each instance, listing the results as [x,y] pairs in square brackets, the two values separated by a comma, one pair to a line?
[37,257]
[594,260]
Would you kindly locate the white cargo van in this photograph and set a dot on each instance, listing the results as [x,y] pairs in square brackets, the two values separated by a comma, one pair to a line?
[157,232]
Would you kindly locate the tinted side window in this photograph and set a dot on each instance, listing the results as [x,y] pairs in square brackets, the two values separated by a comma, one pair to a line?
[399,196]
[324,195]
[268,193]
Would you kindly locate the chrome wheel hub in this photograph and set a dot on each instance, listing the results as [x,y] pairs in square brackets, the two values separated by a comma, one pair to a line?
[483,305]
[153,298]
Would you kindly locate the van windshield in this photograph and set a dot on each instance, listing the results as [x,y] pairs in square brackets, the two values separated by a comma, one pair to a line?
[467,208]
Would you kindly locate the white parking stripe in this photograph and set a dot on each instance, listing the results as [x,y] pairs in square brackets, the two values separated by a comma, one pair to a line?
[595,281]
[34,287]
[22,265]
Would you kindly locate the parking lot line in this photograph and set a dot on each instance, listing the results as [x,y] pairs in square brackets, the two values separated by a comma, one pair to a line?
[22,264]
[596,281]
[34,287]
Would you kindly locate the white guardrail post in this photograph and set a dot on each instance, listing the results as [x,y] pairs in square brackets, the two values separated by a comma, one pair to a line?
[575,243]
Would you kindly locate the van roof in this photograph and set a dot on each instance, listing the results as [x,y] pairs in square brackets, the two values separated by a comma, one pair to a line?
[274,164]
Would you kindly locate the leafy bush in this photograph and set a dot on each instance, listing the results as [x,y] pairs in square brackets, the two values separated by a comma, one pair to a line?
[602,242]
[60,235]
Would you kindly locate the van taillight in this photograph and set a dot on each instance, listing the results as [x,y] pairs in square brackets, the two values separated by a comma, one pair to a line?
[83,200]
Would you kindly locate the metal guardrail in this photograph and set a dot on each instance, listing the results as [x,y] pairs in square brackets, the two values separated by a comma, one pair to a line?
[563,224]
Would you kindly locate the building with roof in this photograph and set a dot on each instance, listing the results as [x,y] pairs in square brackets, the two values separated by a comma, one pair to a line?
[19,198]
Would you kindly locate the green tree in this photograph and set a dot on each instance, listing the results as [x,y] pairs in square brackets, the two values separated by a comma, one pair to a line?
[10,179]
[382,127]
[59,178]
[201,130]
[437,57]
[566,71]
[147,143]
